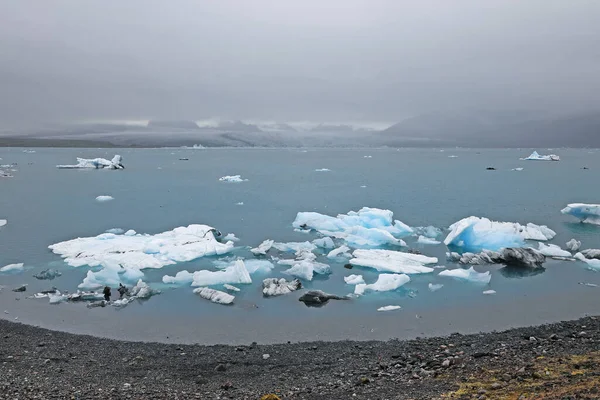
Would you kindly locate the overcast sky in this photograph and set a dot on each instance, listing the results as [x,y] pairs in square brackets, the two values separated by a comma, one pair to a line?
[294,59]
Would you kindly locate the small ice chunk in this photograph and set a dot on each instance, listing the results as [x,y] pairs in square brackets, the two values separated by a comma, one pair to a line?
[232,178]
[216,296]
[142,290]
[384,283]
[552,250]
[322,170]
[305,269]
[573,245]
[12,268]
[241,203]
[3,222]
[593,263]
[231,288]
[181,278]
[340,252]
[393,261]
[57,297]
[434,287]
[234,274]
[263,248]
[294,247]
[47,274]
[104,198]
[452,156]
[587,213]
[324,243]
[232,237]
[389,308]
[354,279]
[517,169]
[115,231]
[428,231]
[277,287]
[425,240]
[488,292]
[259,266]
[468,275]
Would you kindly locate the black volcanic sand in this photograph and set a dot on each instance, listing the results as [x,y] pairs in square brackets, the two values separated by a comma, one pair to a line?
[557,361]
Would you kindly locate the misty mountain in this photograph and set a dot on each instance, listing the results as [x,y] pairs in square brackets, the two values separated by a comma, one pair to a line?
[157,124]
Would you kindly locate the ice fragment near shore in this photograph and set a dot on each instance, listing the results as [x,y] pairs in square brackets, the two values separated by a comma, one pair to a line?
[216,296]
[587,213]
[384,283]
[3,222]
[96,163]
[468,275]
[573,245]
[393,261]
[475,234]
[110,276]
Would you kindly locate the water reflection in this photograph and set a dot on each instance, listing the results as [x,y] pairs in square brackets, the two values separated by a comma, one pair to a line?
[510,271]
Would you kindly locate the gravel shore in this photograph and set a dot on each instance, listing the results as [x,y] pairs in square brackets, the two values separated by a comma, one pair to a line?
[554,361]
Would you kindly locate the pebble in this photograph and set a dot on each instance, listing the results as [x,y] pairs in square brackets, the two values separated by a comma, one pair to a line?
[266,356]
[221,368]
[446,363]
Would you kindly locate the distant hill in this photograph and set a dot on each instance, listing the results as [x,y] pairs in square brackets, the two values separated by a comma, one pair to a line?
[237,126]
[190,125]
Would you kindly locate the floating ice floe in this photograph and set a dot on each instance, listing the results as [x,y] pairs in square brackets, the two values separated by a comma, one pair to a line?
[47,274]
[231,288]
[369,227]
[263,248]
[232,178]
[588,213]
[278,287]
[489,292]
[340,252]
[97,163]
[468,275]
[593,263]
[393,261]
[19,267]
[116,231]
[536,157]
[136,251]
[425,240]
[552,250]
[216,296]
[295,247]
[142,290]
[354,279]
[427,231]
[111,276]
[517,169]
[389,308]
[232,237]
[4,174]
[234,274]
[384,283]
[305,269]
[3,222]
[573,245]
[241,203]
[322,170]
[475,234]
[434,287]
[181,278]
[324,243]
[103,199]
[591,253]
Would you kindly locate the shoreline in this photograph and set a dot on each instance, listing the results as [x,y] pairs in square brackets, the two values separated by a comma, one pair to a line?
[551,360]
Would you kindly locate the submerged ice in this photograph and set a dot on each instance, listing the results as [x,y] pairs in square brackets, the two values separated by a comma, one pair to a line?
[588,213]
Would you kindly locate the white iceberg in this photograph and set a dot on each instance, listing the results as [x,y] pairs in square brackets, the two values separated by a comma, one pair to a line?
[573,245]
[475,234]
[517,169]
[12,268]
[354,279]
[434,287]
[96,163]
[389,308]
[232,178]
[3,222]
[489,292]
[263,248]
[340,252]
[102,199]
[468,275]
[231,288]
[552,250]
[591,253]
[142,290]
[232,237]
[588,213]
[536,157]
[216,296]
[110,276]
[425,240]
[116,231]
[593,263]
[295,247]
[384,283]
[136,251]
[305,269]
[324,243]
[252,266]
[322,170]
[393,261]
[234,274]
[181,278]
[278,287]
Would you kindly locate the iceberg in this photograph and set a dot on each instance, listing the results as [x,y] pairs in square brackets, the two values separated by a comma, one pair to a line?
[305,269]
[216,296]
[12,268]
[136,251]
[393,261]
[489,292]
[354,279]
[322,170]
[340,252]
[384,283]
[231,288]
[593,263]
[102,199]
[232,237]
[425,240]
[517,257]
[96,163]
[142,290]
[47,274]
[278,287]
[468,275]
[3,222]
[181,278]
[294,247]
[517,169]
[427,231]
[573,245]
[110,276]
[263,248]
[552,250]
[536,157]
[389,308]
[324,243]
[433,287]
[475,234]
[587,213]
[235,274]
[591,253]
[232,178]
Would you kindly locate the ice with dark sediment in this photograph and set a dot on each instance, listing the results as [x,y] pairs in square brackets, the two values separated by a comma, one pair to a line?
[518,257]
[215,296]
[277,287]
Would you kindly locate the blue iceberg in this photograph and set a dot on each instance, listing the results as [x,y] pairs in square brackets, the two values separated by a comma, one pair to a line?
[588,213]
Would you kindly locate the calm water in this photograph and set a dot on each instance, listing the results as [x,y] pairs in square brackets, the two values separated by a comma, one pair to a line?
[158,192]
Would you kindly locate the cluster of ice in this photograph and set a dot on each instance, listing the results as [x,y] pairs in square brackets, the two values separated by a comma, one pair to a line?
[369,227]
[97,163]
[468,275]
[104,198]
[354,279]
[573,245]
[476,234]
[216,296]
[588,213]
[389,308]
[4,174]
[393,261]
[12,268]
[552,250]
[340,252]
[278,287]
[136,251]
[536,157]
[232,178]
[425,240]
[384,283]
